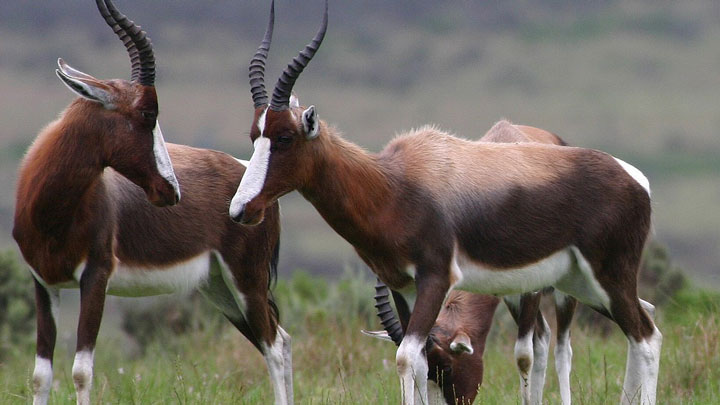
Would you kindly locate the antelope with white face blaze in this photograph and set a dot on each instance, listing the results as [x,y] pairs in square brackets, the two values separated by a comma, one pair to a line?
[433,211]
[83,219]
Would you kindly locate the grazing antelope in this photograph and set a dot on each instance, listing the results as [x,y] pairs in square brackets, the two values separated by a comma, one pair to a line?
[433,212]
[83,219]
[455,355]
[465,319]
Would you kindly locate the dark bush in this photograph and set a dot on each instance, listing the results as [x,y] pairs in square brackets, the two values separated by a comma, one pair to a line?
[17,302]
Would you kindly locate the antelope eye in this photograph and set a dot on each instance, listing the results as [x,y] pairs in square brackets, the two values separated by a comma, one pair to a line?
[148,115]
[284,139]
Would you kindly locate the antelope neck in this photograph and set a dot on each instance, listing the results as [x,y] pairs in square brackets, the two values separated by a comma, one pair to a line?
[64,170]
[348,187]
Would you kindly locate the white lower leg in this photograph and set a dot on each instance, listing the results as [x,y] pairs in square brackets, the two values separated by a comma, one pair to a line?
[287,357]
[643,363]
[42,380]
[82,373]
[524,361]
[274,357]
[541,348]
[412,369]
[563,365]
[435,394]
[649,308]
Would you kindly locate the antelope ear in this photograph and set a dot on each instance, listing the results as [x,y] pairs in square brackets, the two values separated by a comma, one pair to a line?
[377,334]
[71,71]
[310,123]
[88,88]
[294,101]
[461,344]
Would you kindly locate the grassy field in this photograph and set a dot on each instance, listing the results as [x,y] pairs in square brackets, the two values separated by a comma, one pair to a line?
[334,363]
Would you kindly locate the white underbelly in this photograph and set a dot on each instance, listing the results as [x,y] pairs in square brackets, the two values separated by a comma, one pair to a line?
[132,281]
[474,277]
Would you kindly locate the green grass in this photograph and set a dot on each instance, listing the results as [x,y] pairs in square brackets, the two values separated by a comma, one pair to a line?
[334,363]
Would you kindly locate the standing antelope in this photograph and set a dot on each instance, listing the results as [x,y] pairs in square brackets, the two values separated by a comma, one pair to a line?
[459,334]
[82,220]
[433,212]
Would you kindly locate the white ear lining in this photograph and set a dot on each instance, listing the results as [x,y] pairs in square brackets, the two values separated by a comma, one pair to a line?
[85,90]
[310,122]
[71,71]
[294,102]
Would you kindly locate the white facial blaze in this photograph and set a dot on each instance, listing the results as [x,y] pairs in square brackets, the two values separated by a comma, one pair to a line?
[162,159]
[254,178]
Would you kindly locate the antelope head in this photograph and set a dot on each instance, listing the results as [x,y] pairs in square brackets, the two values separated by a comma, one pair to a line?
[122,115]
[283,133]
[455,361]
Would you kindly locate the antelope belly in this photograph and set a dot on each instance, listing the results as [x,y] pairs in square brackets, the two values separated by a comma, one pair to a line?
[474,277]
[136,281]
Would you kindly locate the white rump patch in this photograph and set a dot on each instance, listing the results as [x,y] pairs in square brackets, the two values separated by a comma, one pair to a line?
[254,178]
[162,159]
[636,174]
[130,281]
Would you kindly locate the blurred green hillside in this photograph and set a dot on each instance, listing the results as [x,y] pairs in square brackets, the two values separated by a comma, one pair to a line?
[638,79]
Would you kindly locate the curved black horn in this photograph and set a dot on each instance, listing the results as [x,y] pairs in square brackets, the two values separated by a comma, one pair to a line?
[135,40]
[386,314]
[257,64]
[284,86]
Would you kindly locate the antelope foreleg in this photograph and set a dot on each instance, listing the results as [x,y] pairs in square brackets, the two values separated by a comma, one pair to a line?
[46,302]
[93,285]
[411,358]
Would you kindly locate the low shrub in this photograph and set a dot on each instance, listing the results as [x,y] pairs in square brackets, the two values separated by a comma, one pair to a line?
[17,303]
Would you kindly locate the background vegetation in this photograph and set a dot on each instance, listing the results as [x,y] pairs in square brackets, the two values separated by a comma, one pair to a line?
[198,357]
[636,78]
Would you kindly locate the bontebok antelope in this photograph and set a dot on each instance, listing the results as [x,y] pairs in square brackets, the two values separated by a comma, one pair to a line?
[433,211]
[83,219]
[455,360]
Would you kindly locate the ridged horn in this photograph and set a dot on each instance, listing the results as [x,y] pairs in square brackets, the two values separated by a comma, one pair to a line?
[257,64]
[386,314]
[136,41]
[284,86]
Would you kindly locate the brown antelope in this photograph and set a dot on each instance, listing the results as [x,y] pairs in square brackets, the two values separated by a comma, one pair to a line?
[455,361]
[83,219]
[433,212]
[455,356]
